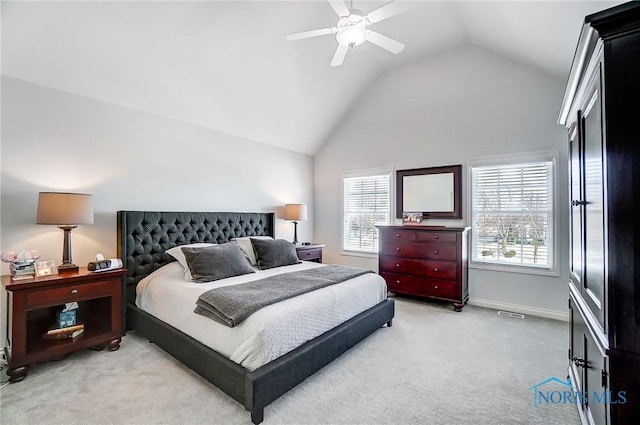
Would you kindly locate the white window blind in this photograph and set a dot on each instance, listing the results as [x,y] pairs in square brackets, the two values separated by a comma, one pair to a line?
[512,214]
[366,205]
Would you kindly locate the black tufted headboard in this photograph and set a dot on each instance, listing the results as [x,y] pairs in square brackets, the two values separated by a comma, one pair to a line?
[144,236]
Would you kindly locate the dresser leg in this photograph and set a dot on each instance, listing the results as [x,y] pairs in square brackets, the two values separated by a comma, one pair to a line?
[18,374]
[458,307]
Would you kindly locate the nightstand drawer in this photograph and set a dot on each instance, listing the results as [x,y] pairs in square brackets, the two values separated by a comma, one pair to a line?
[69,293]
[310,254]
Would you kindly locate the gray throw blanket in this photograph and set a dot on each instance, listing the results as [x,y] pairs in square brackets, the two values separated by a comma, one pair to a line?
[230,305]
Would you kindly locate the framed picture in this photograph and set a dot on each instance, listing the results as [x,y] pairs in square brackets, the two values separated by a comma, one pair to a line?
[411,217]
[46,268]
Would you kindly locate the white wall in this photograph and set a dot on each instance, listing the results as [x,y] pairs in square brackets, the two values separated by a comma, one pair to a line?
[57,141]
[467,103]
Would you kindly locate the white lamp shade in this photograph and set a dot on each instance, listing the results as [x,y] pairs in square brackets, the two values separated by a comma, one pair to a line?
[64,208]
[295,212]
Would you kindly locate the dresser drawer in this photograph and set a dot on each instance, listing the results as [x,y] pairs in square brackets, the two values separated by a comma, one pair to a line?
[430,268]
[414,285]
[401,235]
[69,293]
[445,237]
[432,251]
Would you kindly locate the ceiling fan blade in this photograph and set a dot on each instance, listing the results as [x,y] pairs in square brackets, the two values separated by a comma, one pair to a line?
[340,7]
[312,33]
[338,57]
[386,11]
[385,42]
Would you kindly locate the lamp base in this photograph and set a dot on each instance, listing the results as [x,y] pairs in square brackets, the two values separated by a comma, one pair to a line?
[67,264]
[67,267]
[295,232]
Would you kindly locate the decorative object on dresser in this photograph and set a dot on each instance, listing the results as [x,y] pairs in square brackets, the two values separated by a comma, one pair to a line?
[35,307]
[295,213]
[599,111]
[310,252]
[434,192]
[425,261]
[66,210]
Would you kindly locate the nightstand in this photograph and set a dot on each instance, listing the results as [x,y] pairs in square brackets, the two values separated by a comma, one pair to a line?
[34,303]
[311,252]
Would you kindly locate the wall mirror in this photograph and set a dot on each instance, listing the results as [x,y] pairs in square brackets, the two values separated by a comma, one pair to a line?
[436,192]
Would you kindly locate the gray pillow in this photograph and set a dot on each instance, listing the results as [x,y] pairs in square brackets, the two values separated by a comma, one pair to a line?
[216,262]
[272,253]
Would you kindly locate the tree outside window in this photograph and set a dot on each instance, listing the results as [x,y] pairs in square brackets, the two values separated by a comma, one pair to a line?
[512,214]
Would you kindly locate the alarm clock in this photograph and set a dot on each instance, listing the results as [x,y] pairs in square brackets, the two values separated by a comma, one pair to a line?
[104,265]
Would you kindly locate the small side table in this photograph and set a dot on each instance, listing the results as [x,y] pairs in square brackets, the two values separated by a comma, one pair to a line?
[311,252]
[34,304]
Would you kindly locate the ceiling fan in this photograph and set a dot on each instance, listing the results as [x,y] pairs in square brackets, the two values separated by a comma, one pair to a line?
[351,29]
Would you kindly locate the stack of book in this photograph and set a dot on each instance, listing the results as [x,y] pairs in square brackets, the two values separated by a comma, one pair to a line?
[66,325]
[69,332]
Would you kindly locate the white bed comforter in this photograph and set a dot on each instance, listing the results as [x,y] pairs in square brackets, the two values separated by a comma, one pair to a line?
[271,331]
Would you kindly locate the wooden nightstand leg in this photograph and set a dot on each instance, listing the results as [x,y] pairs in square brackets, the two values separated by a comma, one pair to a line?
[114,344]
[18,374]
[98,347]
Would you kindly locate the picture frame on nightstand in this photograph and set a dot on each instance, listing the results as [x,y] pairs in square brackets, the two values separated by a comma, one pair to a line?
[46,268]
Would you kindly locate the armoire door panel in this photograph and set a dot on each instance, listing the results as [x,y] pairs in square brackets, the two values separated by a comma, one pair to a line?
[576,197]
[596,392]
[594,278]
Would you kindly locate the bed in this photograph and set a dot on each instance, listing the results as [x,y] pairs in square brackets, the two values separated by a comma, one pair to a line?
[143,238]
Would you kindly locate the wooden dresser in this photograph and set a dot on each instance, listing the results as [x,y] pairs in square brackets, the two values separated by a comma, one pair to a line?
[425,261]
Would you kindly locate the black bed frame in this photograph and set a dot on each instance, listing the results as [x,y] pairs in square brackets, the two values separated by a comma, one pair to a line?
[143,238]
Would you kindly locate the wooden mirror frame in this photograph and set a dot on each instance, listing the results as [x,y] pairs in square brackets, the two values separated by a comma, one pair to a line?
[457,190]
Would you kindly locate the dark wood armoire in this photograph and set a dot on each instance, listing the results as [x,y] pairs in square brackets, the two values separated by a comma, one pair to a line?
[601,111]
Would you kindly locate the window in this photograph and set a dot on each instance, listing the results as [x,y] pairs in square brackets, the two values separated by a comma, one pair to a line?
[367,203]
[513,212]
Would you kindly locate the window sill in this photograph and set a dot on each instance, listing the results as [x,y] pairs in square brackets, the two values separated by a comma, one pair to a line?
[360,254]
[514,269]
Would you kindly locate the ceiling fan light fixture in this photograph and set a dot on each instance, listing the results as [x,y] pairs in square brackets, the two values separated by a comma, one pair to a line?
[352,36]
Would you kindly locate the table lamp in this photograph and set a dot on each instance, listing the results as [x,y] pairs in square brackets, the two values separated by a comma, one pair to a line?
[66,210]
[295,213]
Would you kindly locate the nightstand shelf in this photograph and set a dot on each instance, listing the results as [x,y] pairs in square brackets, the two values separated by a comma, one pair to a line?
[311,252]
[33,305]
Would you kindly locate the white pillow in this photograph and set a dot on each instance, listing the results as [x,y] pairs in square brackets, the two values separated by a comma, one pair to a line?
[176,252]
[247,248]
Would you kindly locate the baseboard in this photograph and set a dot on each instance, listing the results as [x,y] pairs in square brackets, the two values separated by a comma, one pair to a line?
[523,309]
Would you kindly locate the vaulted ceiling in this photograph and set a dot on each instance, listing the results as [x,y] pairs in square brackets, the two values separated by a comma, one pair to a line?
[225,65]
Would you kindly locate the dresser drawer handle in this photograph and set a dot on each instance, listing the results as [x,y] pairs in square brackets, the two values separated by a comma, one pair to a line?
[435,287]
[397,249]
[398,265]
[436,237]
[397,281]
[74,291]
[397,235]
[435,252]
[435,270]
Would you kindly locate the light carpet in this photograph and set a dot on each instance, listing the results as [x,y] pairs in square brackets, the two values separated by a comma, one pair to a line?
[434,366]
